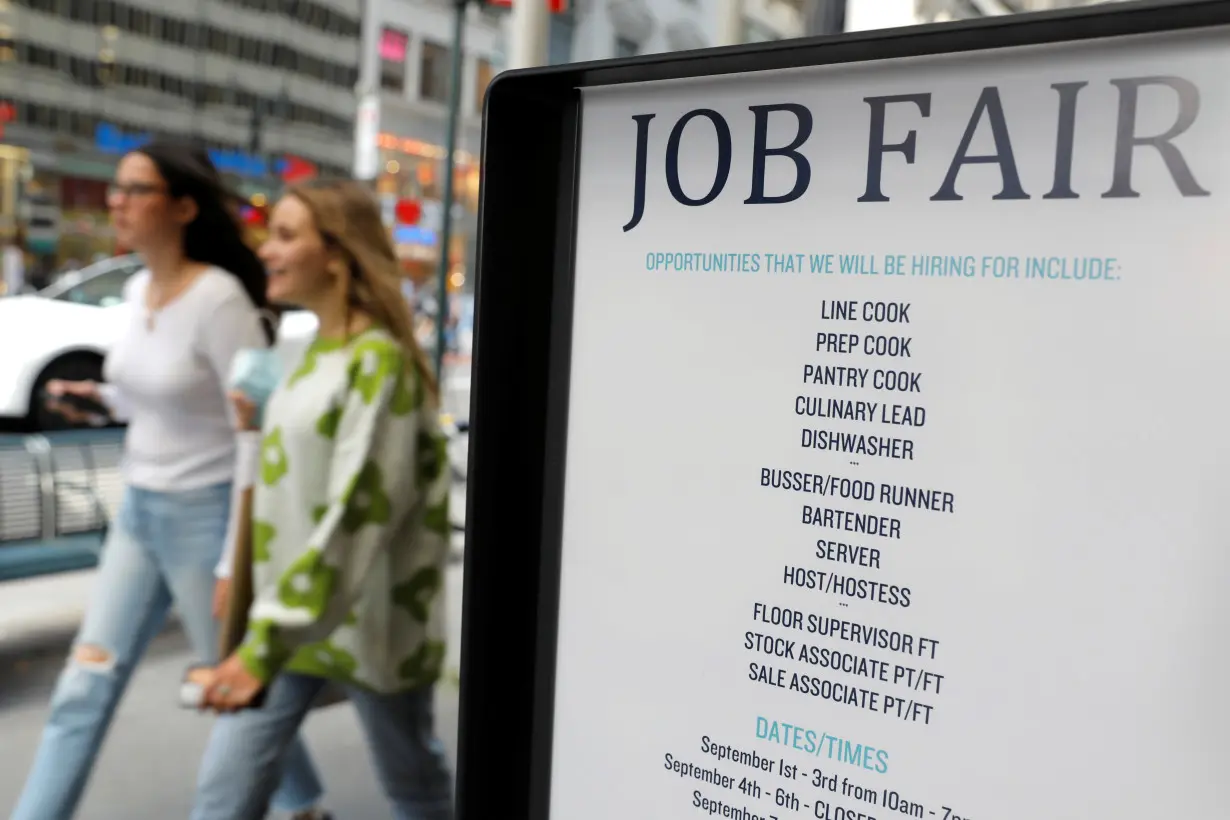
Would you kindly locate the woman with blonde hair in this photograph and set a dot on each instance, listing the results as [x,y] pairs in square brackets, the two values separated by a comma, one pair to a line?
[349,522]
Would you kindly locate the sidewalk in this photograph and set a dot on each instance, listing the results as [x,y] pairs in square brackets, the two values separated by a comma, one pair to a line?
[40,609]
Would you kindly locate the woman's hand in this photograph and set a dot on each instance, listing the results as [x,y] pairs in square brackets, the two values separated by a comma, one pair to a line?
[222,597]
[231,687]
[57,389]
[84,389]
[245,411]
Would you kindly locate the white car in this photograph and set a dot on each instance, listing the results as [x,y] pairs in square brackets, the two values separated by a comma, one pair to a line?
[65,330]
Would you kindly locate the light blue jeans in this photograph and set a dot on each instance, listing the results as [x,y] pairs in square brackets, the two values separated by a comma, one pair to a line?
[240,769]
[161,550]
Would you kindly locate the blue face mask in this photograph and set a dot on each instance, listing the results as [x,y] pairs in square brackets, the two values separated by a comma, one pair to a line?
[255,372]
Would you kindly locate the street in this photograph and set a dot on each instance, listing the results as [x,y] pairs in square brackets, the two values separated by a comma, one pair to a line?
[148,765]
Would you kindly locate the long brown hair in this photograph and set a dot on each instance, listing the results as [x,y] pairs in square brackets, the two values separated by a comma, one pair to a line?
[215,236]
[347,216]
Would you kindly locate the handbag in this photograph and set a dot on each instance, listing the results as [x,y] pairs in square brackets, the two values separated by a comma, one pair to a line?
[235,620]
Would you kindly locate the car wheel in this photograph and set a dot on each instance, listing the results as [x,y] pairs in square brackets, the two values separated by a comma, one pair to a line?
[73,367]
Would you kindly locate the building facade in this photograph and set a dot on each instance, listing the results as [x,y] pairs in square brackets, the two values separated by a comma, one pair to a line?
[267,85]
[404,92]
[403,119]
[604,29]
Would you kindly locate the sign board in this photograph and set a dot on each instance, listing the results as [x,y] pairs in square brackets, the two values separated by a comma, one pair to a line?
[870,462]
[111,139]
[367,127]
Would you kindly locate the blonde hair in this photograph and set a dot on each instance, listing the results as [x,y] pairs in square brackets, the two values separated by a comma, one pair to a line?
[347,216]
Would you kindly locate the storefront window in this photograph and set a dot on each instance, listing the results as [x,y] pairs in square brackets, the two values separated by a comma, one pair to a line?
[467,187]
[411,170]
[13,162]
[409,177]
[426,180]
[482,78]
[86,231]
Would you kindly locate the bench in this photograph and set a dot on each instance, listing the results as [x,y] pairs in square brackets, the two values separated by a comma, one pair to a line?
[55,491]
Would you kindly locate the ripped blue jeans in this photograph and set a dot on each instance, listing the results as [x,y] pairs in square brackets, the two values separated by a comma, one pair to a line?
[161,551]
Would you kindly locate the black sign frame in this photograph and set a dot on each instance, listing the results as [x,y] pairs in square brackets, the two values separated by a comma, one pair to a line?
[521,363]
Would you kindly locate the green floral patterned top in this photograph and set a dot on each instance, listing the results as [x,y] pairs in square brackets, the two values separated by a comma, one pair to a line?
[350,529]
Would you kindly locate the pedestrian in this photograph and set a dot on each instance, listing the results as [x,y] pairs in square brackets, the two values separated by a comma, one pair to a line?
[13,264]
[349,521]
[199,299]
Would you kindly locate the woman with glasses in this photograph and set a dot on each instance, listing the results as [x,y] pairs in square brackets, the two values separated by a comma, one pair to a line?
[349,521]
[199,300]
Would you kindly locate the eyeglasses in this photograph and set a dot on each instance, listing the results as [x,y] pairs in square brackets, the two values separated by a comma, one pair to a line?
[116,190]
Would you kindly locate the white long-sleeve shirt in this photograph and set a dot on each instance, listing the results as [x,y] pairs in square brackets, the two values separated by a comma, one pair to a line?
[167,379]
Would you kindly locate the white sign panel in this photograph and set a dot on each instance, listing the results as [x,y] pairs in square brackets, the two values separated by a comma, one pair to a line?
[898,477]
[366,138]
